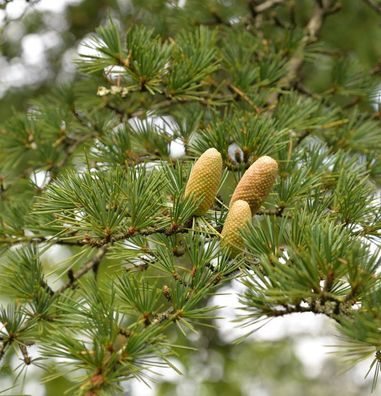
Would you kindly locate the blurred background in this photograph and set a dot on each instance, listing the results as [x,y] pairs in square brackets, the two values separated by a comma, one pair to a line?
[39,41]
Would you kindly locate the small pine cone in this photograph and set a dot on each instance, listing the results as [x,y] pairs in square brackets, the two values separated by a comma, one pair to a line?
[238,216]
[204,179]
[256,183]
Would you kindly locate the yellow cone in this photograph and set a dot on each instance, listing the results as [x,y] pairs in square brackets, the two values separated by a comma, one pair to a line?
[204,179]
[256,183]
[238,216]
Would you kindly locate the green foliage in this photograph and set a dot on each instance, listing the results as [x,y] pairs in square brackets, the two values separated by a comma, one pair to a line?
[194,59]
[140,267]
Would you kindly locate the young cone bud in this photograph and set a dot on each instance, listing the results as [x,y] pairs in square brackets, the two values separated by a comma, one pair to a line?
[256,183]
[238,216]
[204,179]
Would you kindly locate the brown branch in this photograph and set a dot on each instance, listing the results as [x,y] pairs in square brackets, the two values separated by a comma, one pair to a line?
[218,20]
[168,101]
[170,313]
[40,239]
[376,69]
[46,287]
[69,145]
[324,305]
[266,5]
[70,148]
[257,11]
[244,96]
[277,212]
[302,136]
[314,25]
[24,351]
[305,91]
[3,347]
[174,229]
[121,114]
[163,104]
[375,5]
[323,9]
[131,232]
[84,270]
[287,310]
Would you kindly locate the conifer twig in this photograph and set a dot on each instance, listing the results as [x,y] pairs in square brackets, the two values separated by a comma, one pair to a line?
[85,269]
[330,307]
[39,239]
[314,25]
[277,212]
[174,229]
[163,316]
[26,357]
[375,5]
[265,6]
[3,348]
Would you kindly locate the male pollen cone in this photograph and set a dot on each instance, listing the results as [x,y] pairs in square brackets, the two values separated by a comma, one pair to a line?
[238,216]
[256,183]
[204,179]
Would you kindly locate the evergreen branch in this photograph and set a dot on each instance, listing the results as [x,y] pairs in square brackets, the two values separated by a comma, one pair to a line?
[46,287]
[163,316]
[244,96]
[218,20]
[158,106]
[94,262]
[88,124]
[205,100]
[70,147]
[290,309]
[278,212]
[168,231]
[314,25]
[116,110]
[40,239]
[6,342]
[305,91]
[374,4]
[376,69]
[325,305]
[174,229]
[3,347]
[24,351]
[302,136]
[306,250]
[264,6]
[167,103]
[312,30]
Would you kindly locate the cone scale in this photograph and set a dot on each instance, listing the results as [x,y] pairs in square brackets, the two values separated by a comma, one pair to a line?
[256,183]
[238,216]
[204,180]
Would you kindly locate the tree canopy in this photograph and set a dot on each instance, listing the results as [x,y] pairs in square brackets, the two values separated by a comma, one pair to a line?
[101,170]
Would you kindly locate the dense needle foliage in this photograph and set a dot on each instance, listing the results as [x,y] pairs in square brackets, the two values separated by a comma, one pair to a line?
[248,78]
